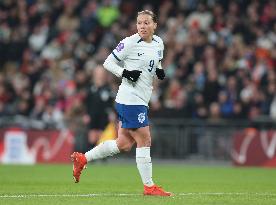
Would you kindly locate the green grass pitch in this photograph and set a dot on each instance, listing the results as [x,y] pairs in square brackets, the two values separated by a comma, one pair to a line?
[115,184]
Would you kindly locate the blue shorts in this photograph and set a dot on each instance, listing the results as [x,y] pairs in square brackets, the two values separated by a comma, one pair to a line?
[132,116]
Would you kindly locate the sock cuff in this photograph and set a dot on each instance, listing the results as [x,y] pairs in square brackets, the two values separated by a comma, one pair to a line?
[143,152]
[112,144]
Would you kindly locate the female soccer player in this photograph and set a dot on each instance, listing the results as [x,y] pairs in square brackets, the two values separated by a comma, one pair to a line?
[141,55]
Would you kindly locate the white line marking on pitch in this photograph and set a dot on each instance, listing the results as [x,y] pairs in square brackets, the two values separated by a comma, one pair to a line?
[64,195]
[227,193]
[127,194]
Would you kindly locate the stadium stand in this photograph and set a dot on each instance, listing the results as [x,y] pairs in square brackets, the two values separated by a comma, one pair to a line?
[220,56]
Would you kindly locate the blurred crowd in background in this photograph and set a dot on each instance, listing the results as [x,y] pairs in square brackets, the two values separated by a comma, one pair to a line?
[220,58]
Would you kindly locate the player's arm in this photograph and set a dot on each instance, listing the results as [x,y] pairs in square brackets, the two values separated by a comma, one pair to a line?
[160,73]
[111,65]
[117,55]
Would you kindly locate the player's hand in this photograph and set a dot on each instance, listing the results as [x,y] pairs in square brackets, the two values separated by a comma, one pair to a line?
[132,75]
[160,73]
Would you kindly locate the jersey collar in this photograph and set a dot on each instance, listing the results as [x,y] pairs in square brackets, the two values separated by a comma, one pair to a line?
[140,40]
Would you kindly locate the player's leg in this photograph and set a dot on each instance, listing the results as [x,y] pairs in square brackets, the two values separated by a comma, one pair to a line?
[124,142]
[143,160]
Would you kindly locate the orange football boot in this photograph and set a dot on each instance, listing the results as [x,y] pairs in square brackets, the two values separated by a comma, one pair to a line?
[155,191]
[79,163]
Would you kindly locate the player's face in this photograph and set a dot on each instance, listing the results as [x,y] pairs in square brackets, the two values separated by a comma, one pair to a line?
[145,27]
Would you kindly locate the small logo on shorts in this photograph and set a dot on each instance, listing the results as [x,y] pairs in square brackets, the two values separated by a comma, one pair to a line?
[141,117]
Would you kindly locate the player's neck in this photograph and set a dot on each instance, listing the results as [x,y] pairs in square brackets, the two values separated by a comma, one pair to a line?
[148,40]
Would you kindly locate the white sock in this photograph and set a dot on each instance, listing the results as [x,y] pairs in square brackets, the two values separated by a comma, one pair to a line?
[103,150]
[144,165]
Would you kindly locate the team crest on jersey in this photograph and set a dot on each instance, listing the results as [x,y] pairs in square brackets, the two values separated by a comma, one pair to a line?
[159,53]
[141,117]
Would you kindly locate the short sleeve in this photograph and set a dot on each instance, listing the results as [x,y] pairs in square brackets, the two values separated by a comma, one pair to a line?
[121,51]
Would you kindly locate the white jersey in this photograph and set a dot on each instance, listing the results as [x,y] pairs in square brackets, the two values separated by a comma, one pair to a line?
[137,54]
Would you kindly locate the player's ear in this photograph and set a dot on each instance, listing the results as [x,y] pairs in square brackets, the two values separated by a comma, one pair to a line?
[154,26]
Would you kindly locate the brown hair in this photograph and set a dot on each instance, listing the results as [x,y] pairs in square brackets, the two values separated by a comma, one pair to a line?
[153,16]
